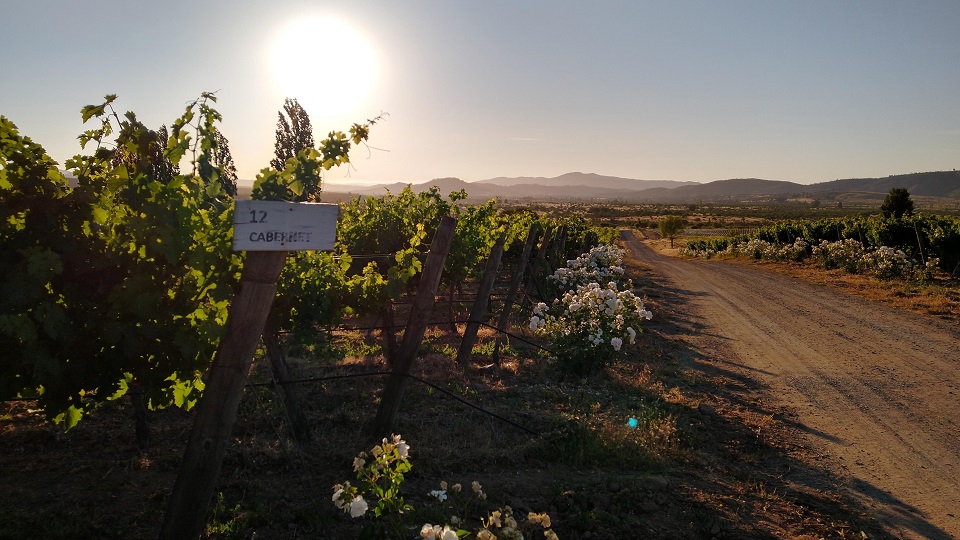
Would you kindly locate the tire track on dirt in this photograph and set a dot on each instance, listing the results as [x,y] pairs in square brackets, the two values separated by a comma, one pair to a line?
[875,388]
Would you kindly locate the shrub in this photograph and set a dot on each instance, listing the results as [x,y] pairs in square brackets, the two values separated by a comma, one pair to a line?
[589,325]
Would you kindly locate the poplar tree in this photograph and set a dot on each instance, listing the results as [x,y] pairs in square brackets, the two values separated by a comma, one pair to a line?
[294,133]
[223,160]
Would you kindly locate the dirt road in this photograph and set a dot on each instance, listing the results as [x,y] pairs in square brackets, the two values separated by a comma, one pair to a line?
[875,389]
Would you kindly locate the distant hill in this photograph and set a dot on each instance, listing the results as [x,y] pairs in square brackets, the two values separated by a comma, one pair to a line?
[574,185]
[928,184]
[586,179]
[586,186]
[738,186]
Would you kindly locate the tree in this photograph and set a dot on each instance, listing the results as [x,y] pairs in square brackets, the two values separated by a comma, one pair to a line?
[671,227]
[219,166]
[294,133]
[897,204]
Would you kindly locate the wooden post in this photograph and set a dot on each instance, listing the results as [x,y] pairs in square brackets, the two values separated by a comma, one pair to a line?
[452,313]
[389,334]
[217,409]
[514,287]
[416,326]
[479,309]
[560,249]
[140,416]
[533,284]
[299,426]
[919,243]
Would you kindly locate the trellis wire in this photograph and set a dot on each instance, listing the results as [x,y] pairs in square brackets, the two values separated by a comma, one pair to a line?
[414,377]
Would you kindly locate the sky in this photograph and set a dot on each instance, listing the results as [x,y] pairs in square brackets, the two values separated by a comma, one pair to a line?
[805,91]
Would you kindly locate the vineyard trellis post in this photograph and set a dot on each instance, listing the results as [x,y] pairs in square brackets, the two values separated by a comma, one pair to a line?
[556,250]
[919,243]
[140,415]
[534,283]
[217,409]
[416,326]
[479,308]
[515,286]
[299,426]
[390,334]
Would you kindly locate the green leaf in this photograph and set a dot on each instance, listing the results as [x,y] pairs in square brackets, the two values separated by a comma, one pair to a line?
[296,186]
[122,387]
[70,418]
[214,189]
[90,111]
[100,215]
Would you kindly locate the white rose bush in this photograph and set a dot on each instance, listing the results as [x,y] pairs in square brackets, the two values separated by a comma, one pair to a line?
[848,254]
[380,474]
[600,265]
[590,323]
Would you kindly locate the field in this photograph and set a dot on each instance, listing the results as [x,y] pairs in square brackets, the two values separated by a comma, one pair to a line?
[694,431]
[708,460]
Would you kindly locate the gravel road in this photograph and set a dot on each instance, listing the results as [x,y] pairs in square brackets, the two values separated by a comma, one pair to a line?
[874,388]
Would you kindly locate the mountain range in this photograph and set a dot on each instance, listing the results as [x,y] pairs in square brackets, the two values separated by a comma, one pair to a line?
[595,187]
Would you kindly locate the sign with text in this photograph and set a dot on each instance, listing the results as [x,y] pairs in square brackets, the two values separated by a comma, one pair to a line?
[284,226]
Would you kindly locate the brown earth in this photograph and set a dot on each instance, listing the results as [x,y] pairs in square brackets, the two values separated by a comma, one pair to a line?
[872,391]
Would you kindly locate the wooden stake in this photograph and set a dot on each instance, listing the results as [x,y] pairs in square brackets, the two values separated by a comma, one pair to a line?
[416,326]
[562,249]
[514,287]
[299,425]
[217,409]
[479,309]
[534,283]
[389,334]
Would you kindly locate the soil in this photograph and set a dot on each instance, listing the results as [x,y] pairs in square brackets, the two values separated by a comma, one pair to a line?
[870,391]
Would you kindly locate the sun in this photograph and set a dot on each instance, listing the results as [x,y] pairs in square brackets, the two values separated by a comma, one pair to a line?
[325,64]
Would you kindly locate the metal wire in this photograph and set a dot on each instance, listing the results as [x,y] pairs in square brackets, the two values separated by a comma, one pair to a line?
[407,375]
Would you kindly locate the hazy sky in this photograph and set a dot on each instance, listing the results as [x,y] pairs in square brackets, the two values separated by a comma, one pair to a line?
[806,90]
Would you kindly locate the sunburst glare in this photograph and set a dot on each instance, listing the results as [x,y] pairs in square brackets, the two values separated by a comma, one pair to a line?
[325,63]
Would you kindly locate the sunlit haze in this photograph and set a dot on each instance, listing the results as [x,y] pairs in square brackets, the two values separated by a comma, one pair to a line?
[701,90]
[326,64]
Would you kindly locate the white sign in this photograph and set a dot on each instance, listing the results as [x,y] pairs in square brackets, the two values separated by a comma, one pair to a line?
[284,226]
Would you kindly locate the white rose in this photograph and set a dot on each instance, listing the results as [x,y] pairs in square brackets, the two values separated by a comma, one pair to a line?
[336,498]
[358,507]
[428,532]
[534,322]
